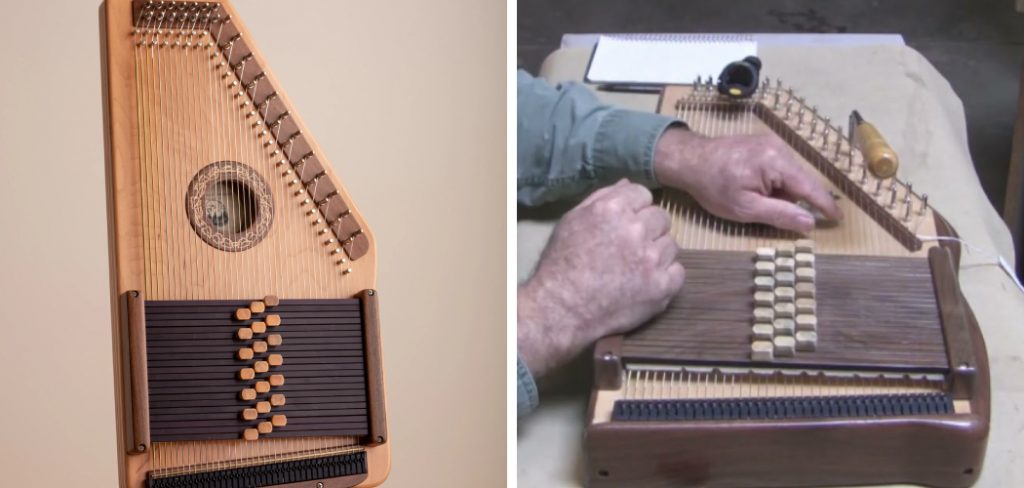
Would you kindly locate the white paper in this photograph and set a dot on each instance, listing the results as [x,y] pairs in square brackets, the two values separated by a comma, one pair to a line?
[640,60]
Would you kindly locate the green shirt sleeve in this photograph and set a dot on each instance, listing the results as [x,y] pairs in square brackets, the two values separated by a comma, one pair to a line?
[569,143]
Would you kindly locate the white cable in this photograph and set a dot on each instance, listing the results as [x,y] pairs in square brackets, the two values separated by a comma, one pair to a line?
[997,259]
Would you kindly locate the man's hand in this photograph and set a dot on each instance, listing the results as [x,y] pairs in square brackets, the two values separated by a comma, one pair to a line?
[609,265]
[742,178]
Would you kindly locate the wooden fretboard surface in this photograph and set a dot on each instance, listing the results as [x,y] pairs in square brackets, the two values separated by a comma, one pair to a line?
[193,369]
[873,313]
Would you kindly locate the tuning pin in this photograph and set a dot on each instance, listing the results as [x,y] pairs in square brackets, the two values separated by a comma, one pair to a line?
[892,197]
[789,108]
[863,174]
[778,83]
[878,187]
[924,204]
[906,205]
[910,189]
[814,125]
[775,105]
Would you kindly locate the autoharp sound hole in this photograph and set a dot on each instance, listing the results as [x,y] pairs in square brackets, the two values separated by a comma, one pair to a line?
[230,206]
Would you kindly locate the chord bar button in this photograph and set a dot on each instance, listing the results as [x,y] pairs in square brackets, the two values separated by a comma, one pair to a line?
[259,327]
[274,340]
[275,360]
[244,333]
[257,307]
[265,427]
[271,301]
[785,346]
[245,353]
[273,320]
[250,414]
[248,394]
[279,420]
[246,374]
[277,399]
[762,332]
[251,434]
[806,340]
[762,350]
[243,314]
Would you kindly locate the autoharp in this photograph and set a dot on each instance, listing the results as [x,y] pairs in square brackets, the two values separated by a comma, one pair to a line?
[247,347]
[845,356]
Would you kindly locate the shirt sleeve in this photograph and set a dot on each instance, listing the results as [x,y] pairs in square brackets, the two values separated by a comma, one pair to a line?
[527,398]
[569,143]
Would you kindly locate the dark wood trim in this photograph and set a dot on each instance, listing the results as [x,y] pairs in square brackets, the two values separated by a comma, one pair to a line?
[374,367]
[952,313]
[135,318]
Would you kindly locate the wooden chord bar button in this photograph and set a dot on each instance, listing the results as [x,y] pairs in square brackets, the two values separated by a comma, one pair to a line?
[251,434]
[279,420]
[273,320]
[785,264]
[250,414]
[766,254]
[265,427]
[783,310]
[243,314]
[244,333]
[805,290]
[806,340]
[277,399]
[257,307]
[764,314]
[259,327]
[263,407]
[785,346]
[259,347]
[247,374]
[785,249]
[248,394]
[261,366]
[275,359]
[806,306]
[764,283]
[762,350]
[762,332]
[764,268]
[783,327]
[804,245]
[262,386]
[271,301]
[806,322]
[785,294]
[764,299]
[274,340]
[785,278]
[276,379]
[804,259]
[245,353]
[805,275]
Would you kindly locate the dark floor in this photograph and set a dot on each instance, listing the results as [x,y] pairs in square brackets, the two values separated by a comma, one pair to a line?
[977,45]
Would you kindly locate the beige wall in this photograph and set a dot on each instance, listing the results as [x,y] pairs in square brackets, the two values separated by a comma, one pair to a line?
[407,99]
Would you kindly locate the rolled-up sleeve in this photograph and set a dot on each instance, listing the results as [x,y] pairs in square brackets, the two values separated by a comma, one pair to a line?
[526,389]
[569,143]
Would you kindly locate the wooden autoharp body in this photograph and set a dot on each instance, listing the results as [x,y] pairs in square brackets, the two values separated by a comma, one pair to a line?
[247,333]
[847,356]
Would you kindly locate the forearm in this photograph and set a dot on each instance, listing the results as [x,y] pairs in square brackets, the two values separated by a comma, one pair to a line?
[569,143]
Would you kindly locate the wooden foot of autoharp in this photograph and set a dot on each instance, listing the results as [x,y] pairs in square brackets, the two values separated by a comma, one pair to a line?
[248,341]
[847,356]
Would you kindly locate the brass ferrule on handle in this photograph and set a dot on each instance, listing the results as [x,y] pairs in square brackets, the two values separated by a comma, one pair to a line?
[881,159]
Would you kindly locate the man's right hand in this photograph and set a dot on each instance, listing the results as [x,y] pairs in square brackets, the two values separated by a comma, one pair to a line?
[609,266]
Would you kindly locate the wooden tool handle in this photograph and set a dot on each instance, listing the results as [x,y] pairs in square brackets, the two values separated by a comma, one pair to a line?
[882,159]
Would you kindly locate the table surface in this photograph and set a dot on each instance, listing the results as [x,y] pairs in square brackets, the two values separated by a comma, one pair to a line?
[403,137]
[921,116]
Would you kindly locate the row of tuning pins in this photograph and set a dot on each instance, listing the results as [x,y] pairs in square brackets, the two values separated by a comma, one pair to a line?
[838,147]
